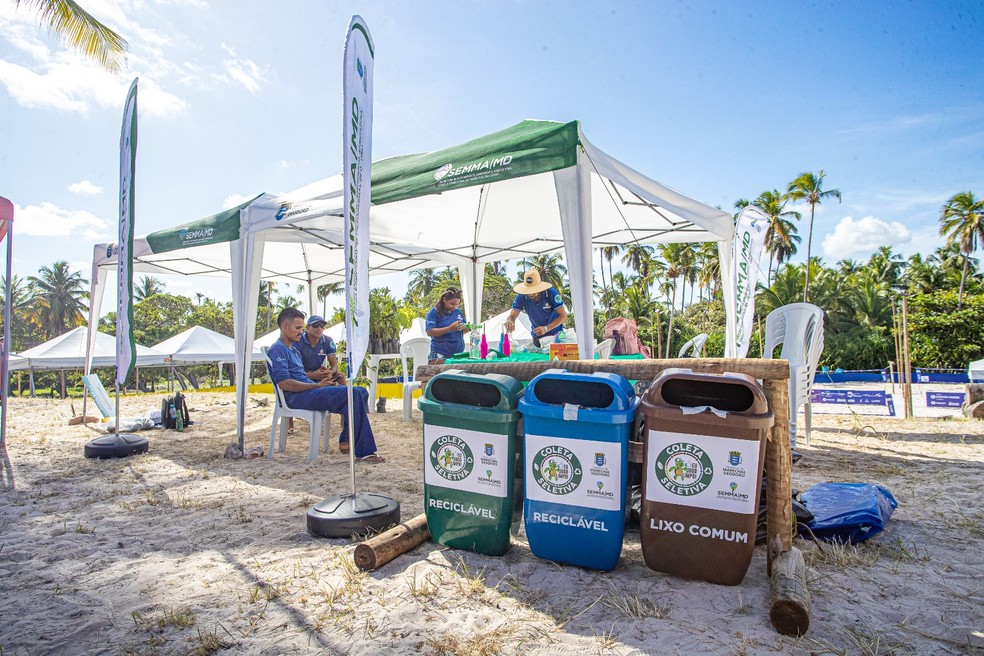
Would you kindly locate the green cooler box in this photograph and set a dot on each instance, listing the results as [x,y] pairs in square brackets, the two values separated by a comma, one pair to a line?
[469,459]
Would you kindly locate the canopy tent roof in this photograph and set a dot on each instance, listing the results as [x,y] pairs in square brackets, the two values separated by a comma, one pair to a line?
[504,206]
[538,187]
[67,351]
[199,345]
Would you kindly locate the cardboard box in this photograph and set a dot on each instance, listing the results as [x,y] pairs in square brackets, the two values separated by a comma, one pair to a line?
[563,352]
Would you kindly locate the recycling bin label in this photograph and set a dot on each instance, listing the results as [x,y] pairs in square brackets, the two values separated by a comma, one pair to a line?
[466,460]
[574,472]
[701,471]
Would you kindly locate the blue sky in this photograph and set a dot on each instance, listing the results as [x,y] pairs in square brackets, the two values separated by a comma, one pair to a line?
[720,100]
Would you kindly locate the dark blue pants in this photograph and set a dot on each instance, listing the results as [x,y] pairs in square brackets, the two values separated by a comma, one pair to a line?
[335,400]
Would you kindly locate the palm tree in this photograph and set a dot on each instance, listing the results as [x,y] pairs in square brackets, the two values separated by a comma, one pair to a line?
[809,187]
[422,282]
[23,320]
[81,31]
[550,266]
[59,294]
[147,287]
[781,235]
[962,223]
[610,253]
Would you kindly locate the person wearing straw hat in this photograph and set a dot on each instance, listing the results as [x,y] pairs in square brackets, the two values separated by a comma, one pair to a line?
[542,304]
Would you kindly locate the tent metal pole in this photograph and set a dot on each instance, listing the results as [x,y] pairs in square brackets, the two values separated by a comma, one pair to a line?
[5,366]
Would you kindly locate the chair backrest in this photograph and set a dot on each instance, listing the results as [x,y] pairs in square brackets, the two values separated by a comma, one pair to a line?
[417,348]
[798,327]
[265,350]
[694,347]
[418,328]
[604,349]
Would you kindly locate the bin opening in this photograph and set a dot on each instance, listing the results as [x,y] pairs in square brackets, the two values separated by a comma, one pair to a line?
[717,394]
[450,390]
[577,392]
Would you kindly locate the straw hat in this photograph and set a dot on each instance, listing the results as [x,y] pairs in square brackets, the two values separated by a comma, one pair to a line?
[531,283]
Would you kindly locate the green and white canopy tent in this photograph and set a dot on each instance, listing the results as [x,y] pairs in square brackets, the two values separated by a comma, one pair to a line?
[537,187]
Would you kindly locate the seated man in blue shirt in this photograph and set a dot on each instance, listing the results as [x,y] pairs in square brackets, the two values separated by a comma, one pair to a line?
[287,372]
[541,302]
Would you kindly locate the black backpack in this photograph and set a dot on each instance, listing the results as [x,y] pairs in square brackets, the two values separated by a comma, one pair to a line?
[168,420]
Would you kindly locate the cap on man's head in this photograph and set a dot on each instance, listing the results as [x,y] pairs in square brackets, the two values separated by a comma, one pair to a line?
[314,318]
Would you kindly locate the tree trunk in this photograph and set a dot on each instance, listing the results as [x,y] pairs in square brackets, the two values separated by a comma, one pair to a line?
[604,286]
[669,330]
[963,279]
[809,246]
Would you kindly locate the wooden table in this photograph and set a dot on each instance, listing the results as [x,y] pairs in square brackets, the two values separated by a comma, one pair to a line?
[790,604]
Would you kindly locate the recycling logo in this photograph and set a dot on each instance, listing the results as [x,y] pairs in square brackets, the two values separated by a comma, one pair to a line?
[684,469]
[451,458]
[556,470]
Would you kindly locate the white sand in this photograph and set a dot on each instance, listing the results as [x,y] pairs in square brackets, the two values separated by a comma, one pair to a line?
[182,552]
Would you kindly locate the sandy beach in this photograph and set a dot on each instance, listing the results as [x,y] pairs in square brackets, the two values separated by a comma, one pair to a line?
[180,551]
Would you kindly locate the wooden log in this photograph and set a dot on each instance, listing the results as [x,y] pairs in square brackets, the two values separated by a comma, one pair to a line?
[631,369]
[975,393]
[789,598]
[975,410]
[378,551]
[779,468]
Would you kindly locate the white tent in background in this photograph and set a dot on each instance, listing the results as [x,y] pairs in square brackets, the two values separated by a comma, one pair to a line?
[68,352]
[495,326]
[199,345]
[975,371]
[539,187]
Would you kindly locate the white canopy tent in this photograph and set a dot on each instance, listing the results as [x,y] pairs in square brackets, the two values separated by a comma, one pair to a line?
[537,187]
[199,345]
[67,351]
[975,371]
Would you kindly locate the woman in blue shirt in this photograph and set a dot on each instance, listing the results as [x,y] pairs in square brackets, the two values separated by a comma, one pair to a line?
[541,302]
[445,322]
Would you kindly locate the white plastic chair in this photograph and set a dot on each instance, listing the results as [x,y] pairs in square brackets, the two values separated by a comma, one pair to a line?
[799,328]
[604,349]
[418,349]
[281,411]
[694,348]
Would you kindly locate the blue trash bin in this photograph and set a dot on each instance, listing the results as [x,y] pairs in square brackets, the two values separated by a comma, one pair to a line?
[575,455]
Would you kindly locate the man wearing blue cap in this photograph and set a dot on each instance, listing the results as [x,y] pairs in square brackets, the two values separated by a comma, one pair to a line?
[316,348]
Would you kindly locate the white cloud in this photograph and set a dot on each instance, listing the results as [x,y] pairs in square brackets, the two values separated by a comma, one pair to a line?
[85,188]
[242,70]
[855,238]
[48,220]
[232,200]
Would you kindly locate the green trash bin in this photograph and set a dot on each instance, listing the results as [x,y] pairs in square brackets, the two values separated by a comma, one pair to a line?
[469,459]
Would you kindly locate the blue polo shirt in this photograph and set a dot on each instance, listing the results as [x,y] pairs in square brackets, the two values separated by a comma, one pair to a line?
[541,311]
[449,343]
[286,364]
[313,357]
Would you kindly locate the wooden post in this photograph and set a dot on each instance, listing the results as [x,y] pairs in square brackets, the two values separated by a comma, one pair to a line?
[378,551]
[908,362]
[779,468]
[891,377]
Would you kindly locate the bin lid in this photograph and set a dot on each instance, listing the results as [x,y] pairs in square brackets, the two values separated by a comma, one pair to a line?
[456,390]
[598,397]
[731,393]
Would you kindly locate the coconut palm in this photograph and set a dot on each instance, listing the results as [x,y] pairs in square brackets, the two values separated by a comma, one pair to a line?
[422,282]
[23,319]
[962,223]
[610,253]
[81,31]
[60,297]
[781,237]
[147,286]
[550,266]
[809,187]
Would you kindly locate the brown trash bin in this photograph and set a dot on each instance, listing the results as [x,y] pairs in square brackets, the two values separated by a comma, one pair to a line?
[704,451]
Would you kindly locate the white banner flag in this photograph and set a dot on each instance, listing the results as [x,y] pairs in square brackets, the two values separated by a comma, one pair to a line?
[749,239]
[357,148]
[126,349]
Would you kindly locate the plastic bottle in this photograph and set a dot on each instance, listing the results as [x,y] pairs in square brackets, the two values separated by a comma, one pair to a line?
[500,342]
[483,347]
[475,351]
[178,419]
[505,345]
[174,415]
